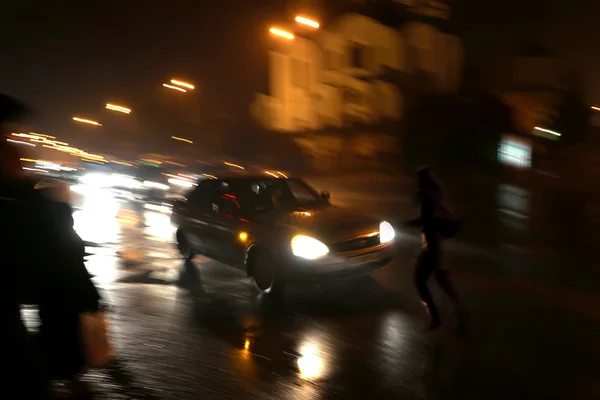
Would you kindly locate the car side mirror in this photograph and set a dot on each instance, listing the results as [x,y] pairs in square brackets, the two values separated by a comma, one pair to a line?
[326,195]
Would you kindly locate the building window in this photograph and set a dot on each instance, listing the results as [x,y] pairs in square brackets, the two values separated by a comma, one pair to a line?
[515,152]
[355,55]
[368,57]
[361,56]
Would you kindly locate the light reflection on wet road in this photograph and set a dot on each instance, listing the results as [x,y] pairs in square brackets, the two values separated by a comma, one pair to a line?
[202,330]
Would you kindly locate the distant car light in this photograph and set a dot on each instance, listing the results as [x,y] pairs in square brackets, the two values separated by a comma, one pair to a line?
[308,247]
[386,232]
[156,185]
[124,181]
[95,179]
[181,182]
[79,189]
[48,165]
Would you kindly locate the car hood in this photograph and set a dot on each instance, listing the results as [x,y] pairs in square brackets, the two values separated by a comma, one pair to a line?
[328,223]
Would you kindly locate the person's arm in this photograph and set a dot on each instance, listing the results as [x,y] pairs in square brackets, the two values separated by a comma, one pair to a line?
[87,293]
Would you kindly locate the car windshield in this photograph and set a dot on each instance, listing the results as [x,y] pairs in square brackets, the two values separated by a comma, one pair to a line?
[293,191]
[266,194]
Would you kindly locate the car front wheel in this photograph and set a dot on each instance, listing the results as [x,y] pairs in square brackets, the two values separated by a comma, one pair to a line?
[265,275]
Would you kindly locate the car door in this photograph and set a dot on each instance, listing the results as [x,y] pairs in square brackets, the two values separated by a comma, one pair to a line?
[199,216]
[230,228]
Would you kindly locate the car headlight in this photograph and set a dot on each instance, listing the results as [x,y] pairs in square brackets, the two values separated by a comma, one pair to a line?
[95,179]
[307,247]
[386,232]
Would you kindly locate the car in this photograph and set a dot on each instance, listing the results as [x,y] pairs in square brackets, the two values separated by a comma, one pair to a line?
[279,230]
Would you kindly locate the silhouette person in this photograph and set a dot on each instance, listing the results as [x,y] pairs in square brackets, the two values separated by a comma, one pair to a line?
[436,222]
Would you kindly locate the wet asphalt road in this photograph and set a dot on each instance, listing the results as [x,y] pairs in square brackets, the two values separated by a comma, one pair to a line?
[202,331]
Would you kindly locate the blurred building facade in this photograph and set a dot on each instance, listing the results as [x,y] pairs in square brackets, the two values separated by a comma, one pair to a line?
[344,88]
[552,129]
[537,88]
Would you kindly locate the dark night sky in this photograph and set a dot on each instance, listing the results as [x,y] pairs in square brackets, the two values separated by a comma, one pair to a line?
[70,57]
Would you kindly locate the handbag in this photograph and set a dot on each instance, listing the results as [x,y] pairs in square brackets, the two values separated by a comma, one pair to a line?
[97,348]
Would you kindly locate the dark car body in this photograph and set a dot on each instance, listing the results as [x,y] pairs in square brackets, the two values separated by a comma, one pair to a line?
[230,218]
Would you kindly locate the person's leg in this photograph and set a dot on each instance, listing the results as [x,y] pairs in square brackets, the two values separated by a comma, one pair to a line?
[26,373]
[60,334]
[443,279]
[423,270]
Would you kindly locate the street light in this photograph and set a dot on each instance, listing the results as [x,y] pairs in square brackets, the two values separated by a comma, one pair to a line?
[120,109]
[234,165]
[182,139]
[281,33]
[34,136]
[537,128]
[595,108]
[174,87]
[307,21]
[87,121]
[183,84]
[20,142]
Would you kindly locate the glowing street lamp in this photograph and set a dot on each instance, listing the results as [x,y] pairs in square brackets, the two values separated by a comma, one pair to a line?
[182,139]
[307,22]
[234,165]
[121,109]
[537,128]
[182,84]
[174,87]
[281,33]
[87,121]
[595,108]
[21,142]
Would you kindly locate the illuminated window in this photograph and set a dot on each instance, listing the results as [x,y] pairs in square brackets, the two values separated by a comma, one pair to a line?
[515,151]
[361,56]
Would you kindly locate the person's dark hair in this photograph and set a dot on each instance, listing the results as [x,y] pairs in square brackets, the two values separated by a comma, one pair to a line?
[426,179]
[12,110]
[10,160]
